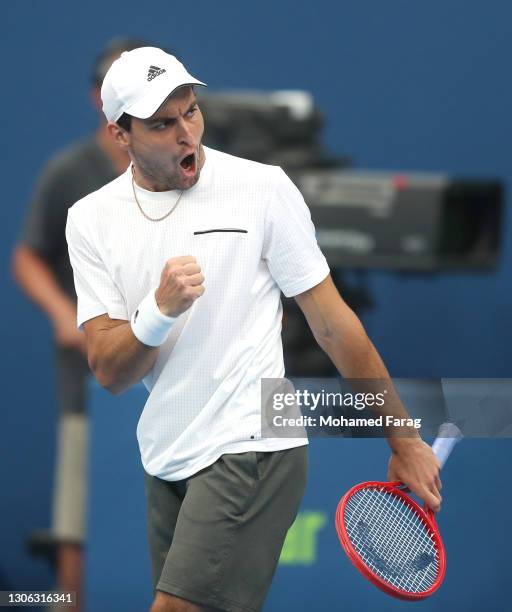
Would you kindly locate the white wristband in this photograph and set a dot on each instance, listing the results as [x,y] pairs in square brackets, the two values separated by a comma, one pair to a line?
[149,324]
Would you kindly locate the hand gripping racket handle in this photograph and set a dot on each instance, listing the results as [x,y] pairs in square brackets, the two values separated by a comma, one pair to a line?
[448,436]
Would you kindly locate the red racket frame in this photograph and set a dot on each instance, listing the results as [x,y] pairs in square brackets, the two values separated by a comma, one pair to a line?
[425,514]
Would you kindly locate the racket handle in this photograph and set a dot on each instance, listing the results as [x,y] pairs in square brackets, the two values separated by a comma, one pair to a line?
[448,436]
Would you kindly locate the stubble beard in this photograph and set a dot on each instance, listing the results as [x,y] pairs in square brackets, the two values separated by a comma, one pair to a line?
[158,173]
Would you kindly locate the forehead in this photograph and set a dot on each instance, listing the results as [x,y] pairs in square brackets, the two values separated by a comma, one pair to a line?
[176,103]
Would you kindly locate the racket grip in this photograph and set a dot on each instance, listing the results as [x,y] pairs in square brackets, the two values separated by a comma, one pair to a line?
[448,436]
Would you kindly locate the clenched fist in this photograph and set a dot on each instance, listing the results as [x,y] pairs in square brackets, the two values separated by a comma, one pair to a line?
[181,283]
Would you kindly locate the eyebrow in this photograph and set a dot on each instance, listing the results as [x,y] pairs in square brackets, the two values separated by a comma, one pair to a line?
[156,120]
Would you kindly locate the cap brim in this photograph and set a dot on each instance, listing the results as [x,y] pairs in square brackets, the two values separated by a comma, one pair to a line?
[149,104]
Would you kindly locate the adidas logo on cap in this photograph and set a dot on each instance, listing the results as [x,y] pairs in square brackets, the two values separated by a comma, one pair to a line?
[154,71]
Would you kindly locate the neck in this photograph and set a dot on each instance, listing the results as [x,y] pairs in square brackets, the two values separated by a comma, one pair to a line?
[148,183]
[119,159]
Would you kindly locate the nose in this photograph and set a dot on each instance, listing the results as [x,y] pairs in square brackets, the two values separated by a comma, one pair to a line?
[185,136]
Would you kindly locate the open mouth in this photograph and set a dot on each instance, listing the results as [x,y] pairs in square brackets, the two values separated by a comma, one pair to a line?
[188,164]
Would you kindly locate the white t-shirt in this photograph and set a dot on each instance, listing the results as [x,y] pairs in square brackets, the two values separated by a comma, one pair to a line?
[204,388]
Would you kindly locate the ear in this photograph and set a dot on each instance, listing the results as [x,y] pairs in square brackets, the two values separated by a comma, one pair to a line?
[121,137]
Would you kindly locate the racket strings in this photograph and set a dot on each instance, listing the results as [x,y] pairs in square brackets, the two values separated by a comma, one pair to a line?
[386,552]
[392,540]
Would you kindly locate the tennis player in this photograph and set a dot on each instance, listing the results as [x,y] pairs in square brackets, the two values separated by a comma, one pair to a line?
[178,265]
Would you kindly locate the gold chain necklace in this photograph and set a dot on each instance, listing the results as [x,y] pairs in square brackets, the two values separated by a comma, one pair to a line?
[140,207]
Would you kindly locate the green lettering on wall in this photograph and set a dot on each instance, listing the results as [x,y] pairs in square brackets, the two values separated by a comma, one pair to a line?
[300,546]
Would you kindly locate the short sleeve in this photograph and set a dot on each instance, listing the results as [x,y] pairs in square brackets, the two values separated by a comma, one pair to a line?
[97,293]
[290,248]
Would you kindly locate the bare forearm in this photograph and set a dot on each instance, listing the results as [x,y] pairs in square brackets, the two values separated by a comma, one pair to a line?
[340,333]
[356,358]
[118,359]
[37,280]
[116,356]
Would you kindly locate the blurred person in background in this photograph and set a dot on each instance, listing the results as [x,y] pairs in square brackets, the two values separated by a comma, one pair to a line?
[41,267]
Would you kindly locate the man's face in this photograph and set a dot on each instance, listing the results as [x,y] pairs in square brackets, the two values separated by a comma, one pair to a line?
[166,148]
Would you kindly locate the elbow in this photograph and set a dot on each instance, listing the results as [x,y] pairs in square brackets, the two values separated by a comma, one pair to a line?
[325,338]
[115,389]
[354,339]
[326,343]
[104,377]
[117,386]
[323,341]
[324,333]
[109,383]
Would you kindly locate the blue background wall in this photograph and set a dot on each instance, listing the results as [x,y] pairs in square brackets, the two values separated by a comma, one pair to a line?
[403,85]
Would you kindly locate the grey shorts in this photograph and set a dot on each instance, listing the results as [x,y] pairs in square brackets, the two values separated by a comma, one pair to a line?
[215,538]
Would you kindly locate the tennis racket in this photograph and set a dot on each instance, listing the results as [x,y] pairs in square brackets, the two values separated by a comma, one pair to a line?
[392,540]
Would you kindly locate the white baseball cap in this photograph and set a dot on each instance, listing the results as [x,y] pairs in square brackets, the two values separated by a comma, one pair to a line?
[140,81]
